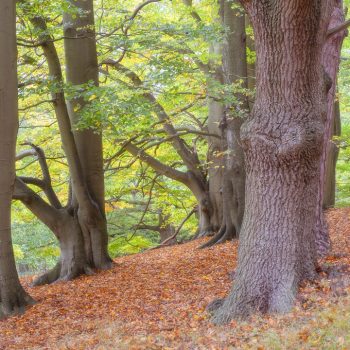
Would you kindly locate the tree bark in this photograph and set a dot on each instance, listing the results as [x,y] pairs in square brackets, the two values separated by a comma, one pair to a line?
[331,163]
[282,139]
[13,298]
[330,61]
[216,163]
[82,68]
[86,207]
[233,178]
[65,226]
[216,160]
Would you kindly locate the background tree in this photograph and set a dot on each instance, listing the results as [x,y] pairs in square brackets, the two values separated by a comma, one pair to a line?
[234,64]
[13,298]
[330,62]
[80,226]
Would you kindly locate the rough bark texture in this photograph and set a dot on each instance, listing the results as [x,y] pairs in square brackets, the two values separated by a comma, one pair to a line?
[13,298]
[282,140]
[330,61]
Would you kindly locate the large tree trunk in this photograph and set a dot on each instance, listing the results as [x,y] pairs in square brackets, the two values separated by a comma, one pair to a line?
[330,61]
[205,208]
[282,139]
[65,226]
[13,298]
[216,111]
[86,206]
[82,68]
[73,260]
[233,177]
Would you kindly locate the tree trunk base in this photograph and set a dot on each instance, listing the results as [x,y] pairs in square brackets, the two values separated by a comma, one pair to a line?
[240,307]
[225,234]
[67,273]
[205,233]
[82,250]
[15,304]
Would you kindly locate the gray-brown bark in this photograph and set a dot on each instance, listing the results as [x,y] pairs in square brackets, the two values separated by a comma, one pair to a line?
[13,298]
[216,160]
[330,61]
[233,177]
[331,163]
[65,226]
[82,68]
[215,163]
[83,234]
[282,141]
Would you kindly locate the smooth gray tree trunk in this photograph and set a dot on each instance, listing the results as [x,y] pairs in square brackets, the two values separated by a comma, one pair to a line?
[83,233]
[13,298]
[331,162]
[82,68]
[234,68]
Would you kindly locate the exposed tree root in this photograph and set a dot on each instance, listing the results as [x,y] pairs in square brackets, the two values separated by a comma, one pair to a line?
[205,233]
[58,273]
[225,234]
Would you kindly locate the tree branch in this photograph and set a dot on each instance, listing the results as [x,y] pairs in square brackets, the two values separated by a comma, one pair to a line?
[49,215]
[155,164]
[45,184]
[338,29]
[190,159]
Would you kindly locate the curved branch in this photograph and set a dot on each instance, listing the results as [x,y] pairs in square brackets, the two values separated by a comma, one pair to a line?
[190,158]
[158,166]
[45,184]
[49,215]
[61,111]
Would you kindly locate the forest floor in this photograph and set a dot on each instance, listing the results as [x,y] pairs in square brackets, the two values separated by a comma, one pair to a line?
[157,300]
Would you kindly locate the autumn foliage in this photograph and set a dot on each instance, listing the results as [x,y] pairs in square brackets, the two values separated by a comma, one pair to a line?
[157,300]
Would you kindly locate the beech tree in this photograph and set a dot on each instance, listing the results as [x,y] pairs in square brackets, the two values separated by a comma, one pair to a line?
[13,298]
[330,61]
[282,141]
[195,177]
[80,225]
[234,69]
[220,198]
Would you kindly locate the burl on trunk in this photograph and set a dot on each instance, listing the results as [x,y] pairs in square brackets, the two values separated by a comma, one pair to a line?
[282,141]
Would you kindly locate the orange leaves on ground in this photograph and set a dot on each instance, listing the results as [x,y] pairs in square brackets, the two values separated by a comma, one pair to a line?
[157,300]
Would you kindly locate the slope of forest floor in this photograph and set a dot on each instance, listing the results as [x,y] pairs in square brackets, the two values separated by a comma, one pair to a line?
[157,300]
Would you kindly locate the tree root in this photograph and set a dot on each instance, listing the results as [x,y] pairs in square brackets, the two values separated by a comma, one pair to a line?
[225,234]
[205,233]
[16,305]
[57,274]
[214,305]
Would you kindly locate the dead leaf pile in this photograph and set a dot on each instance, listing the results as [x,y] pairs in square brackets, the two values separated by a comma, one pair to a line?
[157,300]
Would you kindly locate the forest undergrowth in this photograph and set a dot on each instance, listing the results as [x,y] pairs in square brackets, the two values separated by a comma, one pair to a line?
[157,300]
